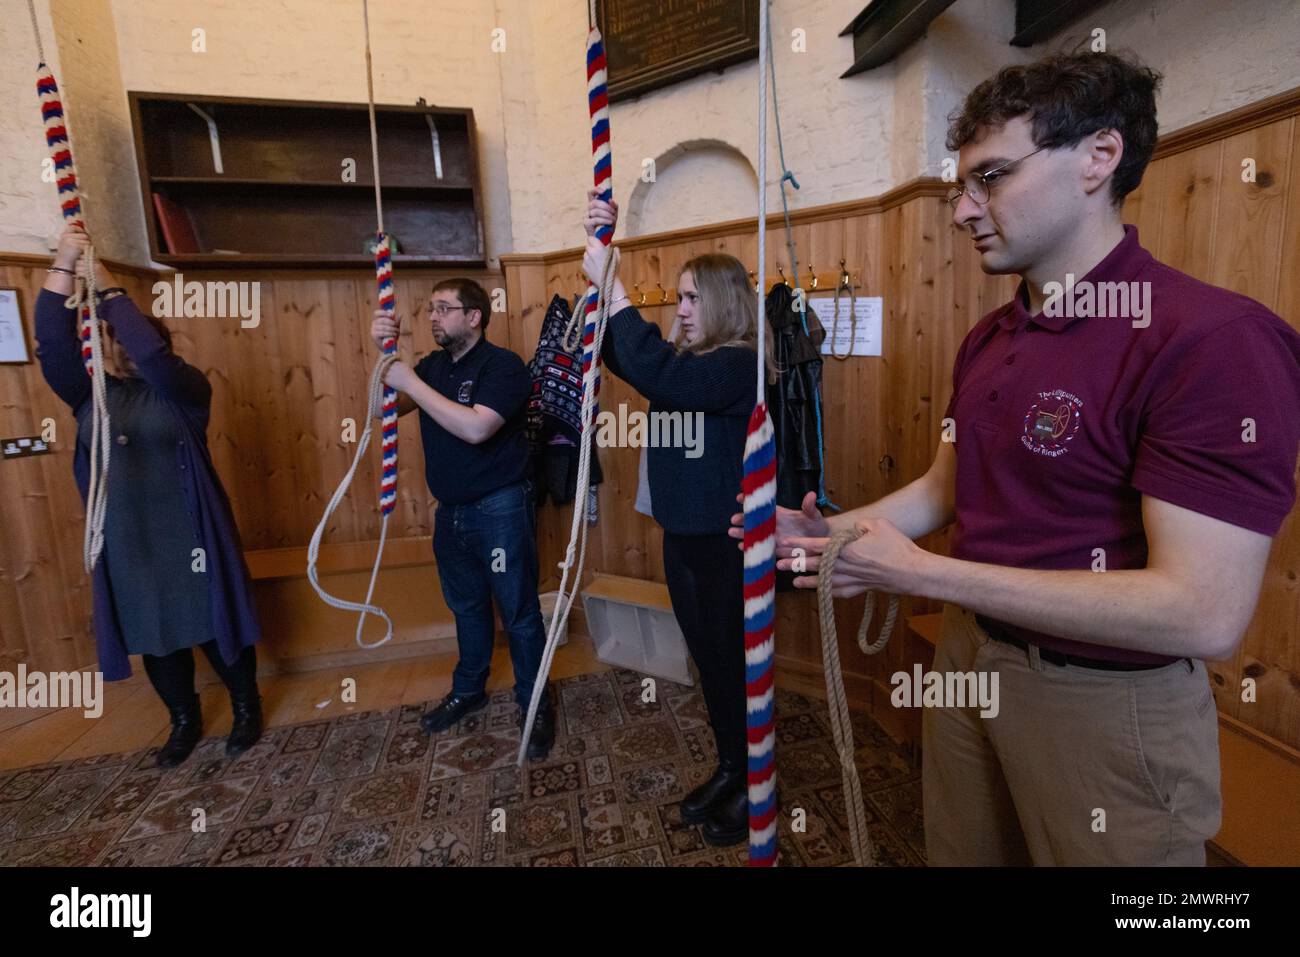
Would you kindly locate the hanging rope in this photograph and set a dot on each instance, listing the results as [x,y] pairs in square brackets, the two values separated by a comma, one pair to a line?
[788,176]
[383,403]
[596,317]
[842,285]
[83,300]
[759,487]
[837,699]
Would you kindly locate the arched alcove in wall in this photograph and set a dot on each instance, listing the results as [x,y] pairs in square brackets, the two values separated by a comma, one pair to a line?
[695,182]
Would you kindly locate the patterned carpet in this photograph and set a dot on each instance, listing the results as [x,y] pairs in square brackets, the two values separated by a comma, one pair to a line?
[371,789]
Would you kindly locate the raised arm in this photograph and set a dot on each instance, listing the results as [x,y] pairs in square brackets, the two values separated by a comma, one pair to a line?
[58,349]
[165,371]
[689,381]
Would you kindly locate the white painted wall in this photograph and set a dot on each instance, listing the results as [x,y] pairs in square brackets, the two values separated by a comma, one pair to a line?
[29,214]
[315,50]
[80,45]
[844,139]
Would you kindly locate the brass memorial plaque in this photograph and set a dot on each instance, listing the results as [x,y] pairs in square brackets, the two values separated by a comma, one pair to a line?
[654,43]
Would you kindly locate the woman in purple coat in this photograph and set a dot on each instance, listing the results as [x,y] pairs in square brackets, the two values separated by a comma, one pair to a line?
[172,573]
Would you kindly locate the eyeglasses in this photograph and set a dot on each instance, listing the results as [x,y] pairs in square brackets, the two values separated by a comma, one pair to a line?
[978,185]
[440,309]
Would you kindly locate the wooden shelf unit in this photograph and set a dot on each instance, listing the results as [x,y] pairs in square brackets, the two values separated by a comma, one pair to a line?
[281,198]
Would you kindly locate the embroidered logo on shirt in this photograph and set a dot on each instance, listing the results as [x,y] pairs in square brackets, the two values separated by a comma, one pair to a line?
[462,394]
[1051,422]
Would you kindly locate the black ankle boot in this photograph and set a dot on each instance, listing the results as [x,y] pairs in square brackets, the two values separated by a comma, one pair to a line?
[247,727]
[187,729]
[726,780]
[729,822]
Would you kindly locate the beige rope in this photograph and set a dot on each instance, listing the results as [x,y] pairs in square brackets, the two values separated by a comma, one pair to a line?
[83,295]
[374,410]
[578,531]
[837,699]
[853,317]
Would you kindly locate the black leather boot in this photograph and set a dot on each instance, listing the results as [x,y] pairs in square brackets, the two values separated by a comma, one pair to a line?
[247,727]
[539,745]
[726,780]
[729,822]
[450,710]
[187,729]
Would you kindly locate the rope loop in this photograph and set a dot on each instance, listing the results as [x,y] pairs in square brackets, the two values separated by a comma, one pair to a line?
[836,697]
[844,284]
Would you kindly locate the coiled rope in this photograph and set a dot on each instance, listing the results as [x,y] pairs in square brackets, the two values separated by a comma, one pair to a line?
[382,404]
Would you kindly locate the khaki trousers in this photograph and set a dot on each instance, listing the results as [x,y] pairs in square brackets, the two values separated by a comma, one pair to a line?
[1078,767]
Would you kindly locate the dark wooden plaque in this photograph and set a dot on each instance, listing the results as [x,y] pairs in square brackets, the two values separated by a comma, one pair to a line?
[654,43]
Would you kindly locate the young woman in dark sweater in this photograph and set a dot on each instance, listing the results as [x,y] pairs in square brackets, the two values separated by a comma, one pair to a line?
[152,594]
[709,369]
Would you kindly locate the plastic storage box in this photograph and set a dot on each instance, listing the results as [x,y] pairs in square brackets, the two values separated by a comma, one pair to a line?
[632,626]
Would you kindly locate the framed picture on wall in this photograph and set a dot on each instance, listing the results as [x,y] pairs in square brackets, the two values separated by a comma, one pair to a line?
[654,43]
[13,338]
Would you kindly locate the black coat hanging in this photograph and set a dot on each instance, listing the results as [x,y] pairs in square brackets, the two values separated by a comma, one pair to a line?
[794,399]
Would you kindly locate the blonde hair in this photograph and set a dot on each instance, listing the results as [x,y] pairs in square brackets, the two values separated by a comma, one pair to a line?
[727,312]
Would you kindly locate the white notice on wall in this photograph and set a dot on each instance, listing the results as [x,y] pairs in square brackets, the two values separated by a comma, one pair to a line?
[859,324]
[13,346]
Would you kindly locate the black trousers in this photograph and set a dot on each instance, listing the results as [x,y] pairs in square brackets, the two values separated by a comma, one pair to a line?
[172,676]
[706,582]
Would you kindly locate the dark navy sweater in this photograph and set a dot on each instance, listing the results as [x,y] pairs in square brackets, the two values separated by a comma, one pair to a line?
[689,496]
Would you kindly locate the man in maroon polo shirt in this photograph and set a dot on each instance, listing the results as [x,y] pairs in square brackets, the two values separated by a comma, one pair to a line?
[1119,449]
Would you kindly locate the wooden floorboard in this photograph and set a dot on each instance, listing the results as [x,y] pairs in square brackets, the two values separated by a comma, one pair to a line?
[134,717]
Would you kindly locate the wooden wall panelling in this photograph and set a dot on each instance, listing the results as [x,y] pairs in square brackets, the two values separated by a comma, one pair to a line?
[282,409]
[1248,249]
[323,460]
[243,364]
[1190,185]
[1288,296]
[1144,207]
[348,306]
[1251,216]
[1277,621]
[31,539]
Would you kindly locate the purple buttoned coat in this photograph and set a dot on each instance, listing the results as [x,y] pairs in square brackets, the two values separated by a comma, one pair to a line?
[189,395]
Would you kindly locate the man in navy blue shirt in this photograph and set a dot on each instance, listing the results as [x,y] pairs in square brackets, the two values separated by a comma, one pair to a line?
[472,396]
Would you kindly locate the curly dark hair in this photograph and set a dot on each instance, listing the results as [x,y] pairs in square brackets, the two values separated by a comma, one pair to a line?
[1067,96]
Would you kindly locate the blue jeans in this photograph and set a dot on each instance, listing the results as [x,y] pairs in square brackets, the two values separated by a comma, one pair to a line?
[486,551]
